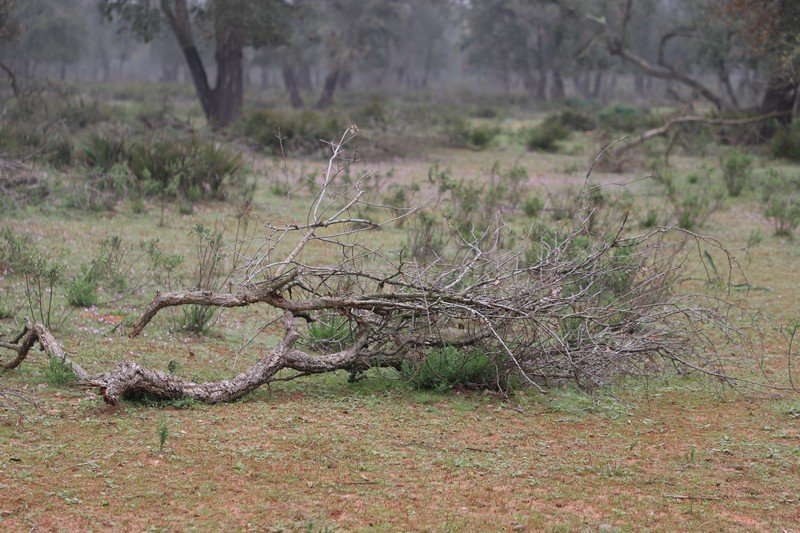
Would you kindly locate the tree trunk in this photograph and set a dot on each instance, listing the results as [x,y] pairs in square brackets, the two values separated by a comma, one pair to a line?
[638,83]
[14,87]
[557,92]
[598,83]
[779,97]
[290,81]
[329,88]
[228,94]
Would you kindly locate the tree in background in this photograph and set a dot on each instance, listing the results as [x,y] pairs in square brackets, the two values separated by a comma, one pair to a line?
[9,29]
[771,30]
[230,24]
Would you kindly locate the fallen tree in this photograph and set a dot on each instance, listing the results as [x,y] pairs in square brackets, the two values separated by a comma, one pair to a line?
[566,305]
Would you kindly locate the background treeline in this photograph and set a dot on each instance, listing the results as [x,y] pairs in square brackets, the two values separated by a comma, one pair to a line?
[730,54]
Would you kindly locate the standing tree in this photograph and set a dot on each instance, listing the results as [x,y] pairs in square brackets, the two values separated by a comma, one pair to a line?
[231,24]
[771,29]
[9,29]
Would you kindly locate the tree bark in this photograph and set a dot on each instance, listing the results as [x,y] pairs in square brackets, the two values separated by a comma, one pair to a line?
[329,88]
[222,104]
[228,93]
[11,76]
[780,97]
[290,81]
[557,92]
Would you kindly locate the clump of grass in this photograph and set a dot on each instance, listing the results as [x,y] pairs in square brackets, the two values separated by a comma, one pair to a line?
[786,143]
[449,367]
[292,131]
[163,434]
[196,318]
[546,136]
[82,289]
[623,118]
[737,170]
[532,206]
[58,372]
[780,202]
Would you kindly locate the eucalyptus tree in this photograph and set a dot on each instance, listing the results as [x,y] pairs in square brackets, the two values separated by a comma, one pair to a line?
[230,24]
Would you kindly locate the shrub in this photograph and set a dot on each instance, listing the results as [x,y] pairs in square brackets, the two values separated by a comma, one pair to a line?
[104,151]
[481,136]
[58,372]
[196,318]
[82,289]
[781,202]
[427,238]
[786,142]
[459,133]
[533,206]
[693,199]
[622,118]
[293,131]
[192,168]
[449,367]
[737,168]
[546,136]
[42,275]
[329,333]
[574,120]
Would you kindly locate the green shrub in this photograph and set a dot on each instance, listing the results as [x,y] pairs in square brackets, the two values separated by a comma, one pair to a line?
[651,219]
[303,131]
[196,318]
[546,136]
[103,151]
[737,169]
[42,275]
[695,198]
[329,333]
[780,202]
[786,142]
[189,168]
[481,136]
[533,206]
[449,367]
[459,133]
[82,289]
[574,120]
[427,240]
[58,372]
[623,118]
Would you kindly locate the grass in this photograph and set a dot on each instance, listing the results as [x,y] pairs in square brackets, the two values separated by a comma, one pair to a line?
[322,453]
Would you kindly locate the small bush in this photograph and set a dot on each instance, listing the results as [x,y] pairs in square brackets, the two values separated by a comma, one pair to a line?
[293,131]
[104,151]
[780,202]
[427,238]
[695,198]
[651,219]
[533,206]
[82,289]
[196,318]
[191,168]
[459,133]
[546,136]
[449,367]
[622,118]
[58,372]
[575,120]
[329,333]
[786,142]
[737,169]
